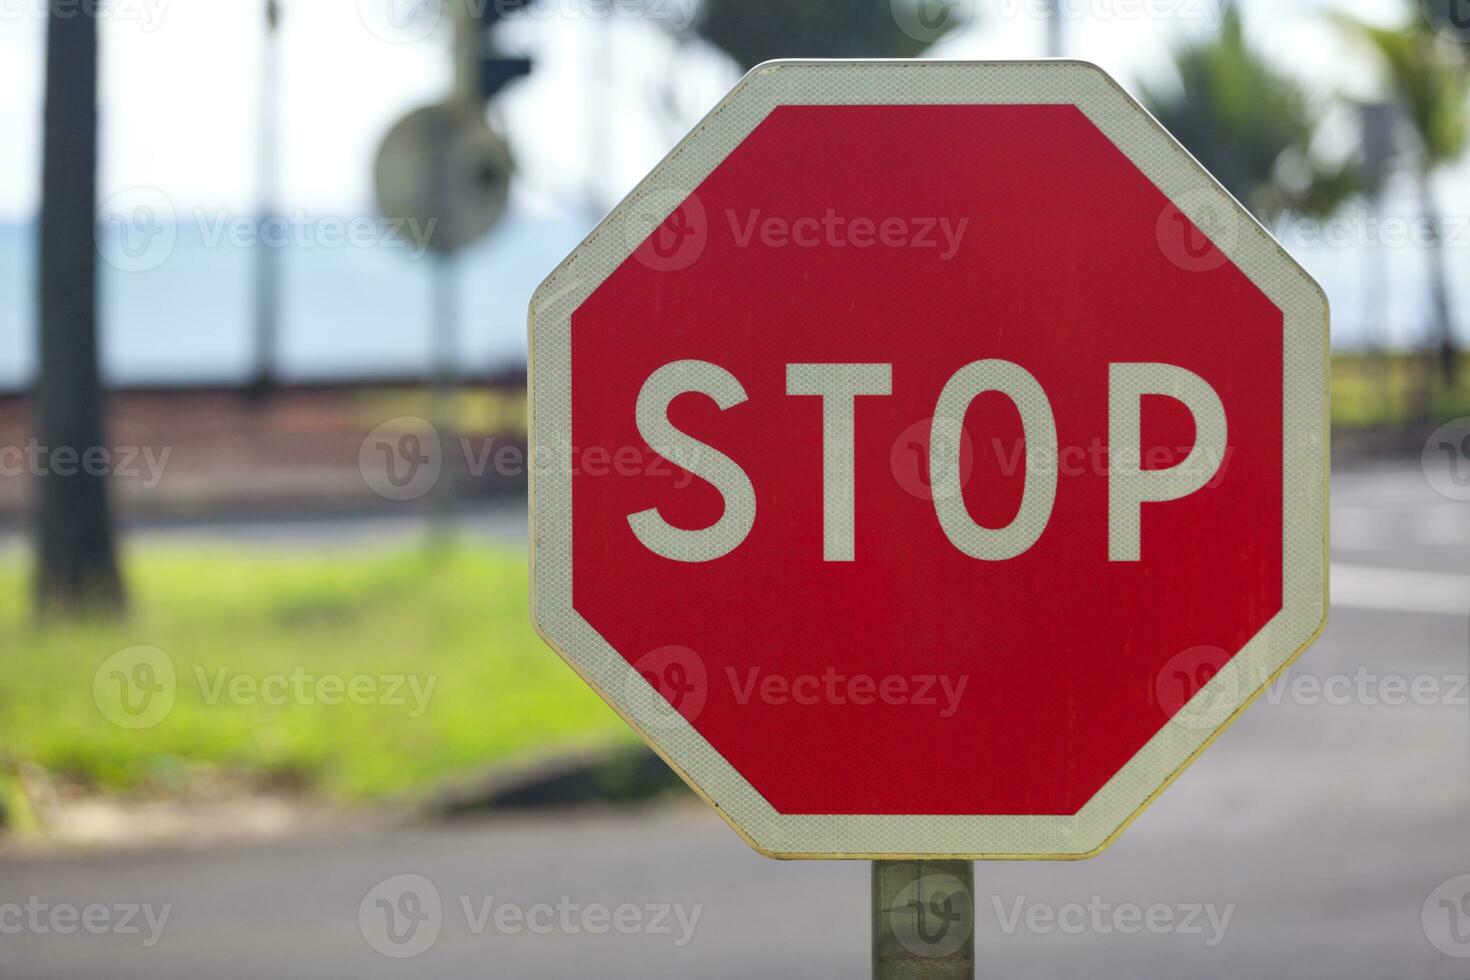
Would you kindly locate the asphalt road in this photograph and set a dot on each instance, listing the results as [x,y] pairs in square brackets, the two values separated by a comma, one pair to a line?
[1313,840]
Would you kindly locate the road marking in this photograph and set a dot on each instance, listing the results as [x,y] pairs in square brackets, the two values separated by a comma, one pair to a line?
[1400,590]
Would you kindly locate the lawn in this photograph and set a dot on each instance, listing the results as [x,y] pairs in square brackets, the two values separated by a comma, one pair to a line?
[1375,391]
[358,675]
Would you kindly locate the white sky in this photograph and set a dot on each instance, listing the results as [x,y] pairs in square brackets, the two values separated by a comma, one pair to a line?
[179,84]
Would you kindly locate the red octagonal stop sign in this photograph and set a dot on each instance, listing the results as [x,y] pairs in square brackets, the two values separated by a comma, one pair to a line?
[929,459]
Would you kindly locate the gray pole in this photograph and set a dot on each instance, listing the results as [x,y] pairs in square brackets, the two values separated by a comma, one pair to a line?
[445,303]
[1055,38]
[923,920]
[444,339]
[267,313]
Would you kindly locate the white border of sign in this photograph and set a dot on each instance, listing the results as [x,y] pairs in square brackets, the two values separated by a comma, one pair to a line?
[1193,191]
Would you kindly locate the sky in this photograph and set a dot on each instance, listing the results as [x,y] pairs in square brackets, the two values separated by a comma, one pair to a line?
[180,78]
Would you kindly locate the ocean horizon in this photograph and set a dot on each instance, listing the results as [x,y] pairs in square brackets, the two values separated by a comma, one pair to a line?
[355,301]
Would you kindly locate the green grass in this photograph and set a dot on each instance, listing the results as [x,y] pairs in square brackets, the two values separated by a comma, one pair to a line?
[1374,391]
[458,616]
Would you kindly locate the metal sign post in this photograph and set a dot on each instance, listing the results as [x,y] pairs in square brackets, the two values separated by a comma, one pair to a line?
[445,330]
[444,172]
[923,920]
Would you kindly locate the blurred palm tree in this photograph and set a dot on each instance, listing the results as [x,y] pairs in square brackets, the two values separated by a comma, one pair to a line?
[752,31]
[76,563]
[1250,125]
[1427,76]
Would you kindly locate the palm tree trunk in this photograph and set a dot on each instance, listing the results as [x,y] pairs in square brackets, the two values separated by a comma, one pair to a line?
[1439,293]
[77,561]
